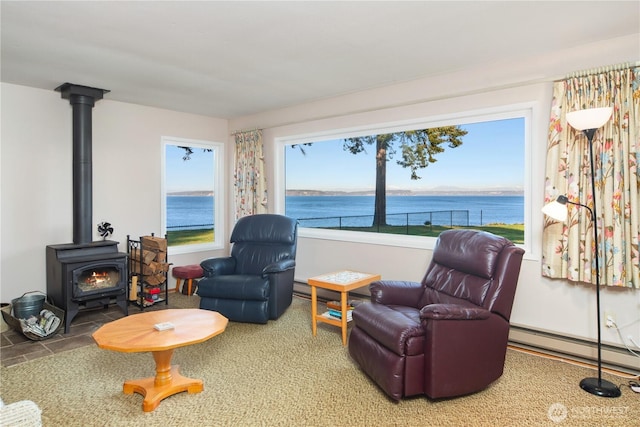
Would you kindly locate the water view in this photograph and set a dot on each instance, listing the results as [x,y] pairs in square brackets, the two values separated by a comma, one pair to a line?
[196,212]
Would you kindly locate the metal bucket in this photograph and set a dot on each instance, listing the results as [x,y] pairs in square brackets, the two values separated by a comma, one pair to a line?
[27,305]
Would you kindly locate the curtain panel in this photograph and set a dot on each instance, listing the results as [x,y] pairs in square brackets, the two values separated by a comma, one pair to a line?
[568,248]
[250,179]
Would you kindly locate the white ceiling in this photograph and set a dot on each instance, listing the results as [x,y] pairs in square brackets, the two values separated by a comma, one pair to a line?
[231,59]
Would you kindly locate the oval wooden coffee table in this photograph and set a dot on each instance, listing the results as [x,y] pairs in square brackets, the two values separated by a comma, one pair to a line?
[136,333]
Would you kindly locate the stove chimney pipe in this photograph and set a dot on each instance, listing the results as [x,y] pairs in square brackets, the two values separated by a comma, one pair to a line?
[82,99]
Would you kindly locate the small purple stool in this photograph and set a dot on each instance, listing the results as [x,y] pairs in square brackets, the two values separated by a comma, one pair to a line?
[187,273]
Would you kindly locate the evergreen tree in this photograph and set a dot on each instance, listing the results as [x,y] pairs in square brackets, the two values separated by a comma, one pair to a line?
[418,148]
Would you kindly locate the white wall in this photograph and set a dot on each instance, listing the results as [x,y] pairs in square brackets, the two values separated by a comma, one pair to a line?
[36,176]
[555,306]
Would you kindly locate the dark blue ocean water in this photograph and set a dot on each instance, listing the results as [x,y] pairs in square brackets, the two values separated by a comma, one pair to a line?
[189,212]
[402,210]
[332,211]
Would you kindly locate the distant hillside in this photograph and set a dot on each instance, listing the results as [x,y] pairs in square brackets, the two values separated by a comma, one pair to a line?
[449,191]
[431,192]
[192,193]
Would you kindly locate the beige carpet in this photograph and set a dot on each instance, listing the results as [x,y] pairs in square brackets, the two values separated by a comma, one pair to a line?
[279,375]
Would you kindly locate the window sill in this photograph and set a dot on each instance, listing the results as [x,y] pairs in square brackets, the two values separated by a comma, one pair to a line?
[382,239]
[189,249]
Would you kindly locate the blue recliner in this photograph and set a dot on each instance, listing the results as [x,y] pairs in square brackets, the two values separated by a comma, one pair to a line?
[255,283]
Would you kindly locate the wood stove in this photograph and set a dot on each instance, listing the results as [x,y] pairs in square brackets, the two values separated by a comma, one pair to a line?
[81,276]
[84,274]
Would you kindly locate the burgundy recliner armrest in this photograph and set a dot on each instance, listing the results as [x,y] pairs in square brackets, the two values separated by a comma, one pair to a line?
[391,292]
[453,312]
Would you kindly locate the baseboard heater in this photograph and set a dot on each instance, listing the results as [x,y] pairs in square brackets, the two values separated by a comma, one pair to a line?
[617,358]
[570,348]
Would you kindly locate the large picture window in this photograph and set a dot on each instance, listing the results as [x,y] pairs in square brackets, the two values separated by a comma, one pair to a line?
[192,193]
[416,180]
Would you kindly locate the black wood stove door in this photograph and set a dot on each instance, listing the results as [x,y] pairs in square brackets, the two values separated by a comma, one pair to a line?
[98,279]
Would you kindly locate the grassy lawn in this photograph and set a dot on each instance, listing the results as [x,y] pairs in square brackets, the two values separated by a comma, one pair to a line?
[513,232]
[189,237]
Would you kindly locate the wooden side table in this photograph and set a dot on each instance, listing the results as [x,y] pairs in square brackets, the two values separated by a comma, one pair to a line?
[340,281]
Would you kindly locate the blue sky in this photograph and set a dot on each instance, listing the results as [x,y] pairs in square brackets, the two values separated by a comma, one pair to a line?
[491,155]
[195,174]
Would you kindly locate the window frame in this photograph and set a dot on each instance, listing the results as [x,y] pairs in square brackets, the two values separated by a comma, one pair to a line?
[218,191]
[522,110]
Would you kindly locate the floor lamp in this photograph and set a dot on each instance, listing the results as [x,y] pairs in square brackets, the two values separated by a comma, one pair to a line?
[588,121]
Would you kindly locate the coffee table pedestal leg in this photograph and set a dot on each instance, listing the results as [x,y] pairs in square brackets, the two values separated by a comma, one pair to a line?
[167,382]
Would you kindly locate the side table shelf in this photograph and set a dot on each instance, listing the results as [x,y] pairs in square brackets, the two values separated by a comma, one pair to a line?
[148,269]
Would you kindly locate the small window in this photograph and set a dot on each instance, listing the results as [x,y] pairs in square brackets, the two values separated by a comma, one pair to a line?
[192,194]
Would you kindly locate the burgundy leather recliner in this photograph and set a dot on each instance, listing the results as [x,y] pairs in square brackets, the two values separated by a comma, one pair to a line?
[447,335]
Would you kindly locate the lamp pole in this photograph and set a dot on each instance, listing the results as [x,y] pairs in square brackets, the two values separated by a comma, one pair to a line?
[597,386]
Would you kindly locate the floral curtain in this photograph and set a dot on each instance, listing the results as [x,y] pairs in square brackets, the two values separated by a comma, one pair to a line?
[250,178]
[568,247]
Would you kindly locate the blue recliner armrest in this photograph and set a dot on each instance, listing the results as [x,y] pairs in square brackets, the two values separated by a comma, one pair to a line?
[280,266]
[218,266]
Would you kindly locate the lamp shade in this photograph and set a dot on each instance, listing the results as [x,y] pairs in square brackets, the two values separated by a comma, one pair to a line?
[590,118]
[556,210]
